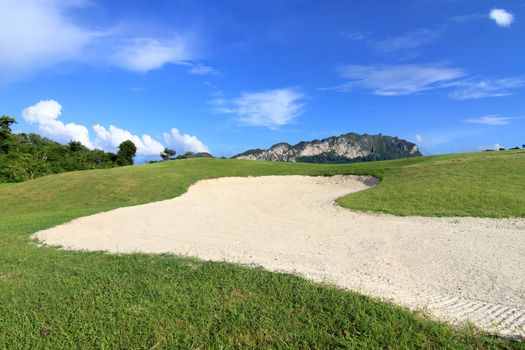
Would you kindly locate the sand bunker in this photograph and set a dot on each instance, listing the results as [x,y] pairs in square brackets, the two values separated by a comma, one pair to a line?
[456,268]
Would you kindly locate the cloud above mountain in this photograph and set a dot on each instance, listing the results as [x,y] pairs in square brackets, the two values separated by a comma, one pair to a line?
[269,108]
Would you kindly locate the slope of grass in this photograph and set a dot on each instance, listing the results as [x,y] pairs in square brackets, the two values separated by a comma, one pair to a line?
[58,299]
[471,184]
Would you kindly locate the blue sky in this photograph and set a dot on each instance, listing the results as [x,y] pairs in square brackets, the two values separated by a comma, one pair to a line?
[226,76]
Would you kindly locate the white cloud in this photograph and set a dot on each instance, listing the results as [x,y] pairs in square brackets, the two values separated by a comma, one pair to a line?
[469,89]
[491,120]
[36,34]
[408,79]
[184,142]
[395,80]
[146,54]
[419,138]
[270,108]
[501,17]
[110,139]
[200,69]
[45,114]
[410,40]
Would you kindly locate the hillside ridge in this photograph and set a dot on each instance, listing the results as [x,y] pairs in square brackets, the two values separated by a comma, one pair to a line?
[346,148]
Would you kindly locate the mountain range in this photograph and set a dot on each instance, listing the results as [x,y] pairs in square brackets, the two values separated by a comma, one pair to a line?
[346,148]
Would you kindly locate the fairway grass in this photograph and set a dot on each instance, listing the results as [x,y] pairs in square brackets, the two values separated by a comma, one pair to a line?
[63,299]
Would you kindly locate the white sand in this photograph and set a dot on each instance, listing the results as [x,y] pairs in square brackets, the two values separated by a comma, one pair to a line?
[456,268]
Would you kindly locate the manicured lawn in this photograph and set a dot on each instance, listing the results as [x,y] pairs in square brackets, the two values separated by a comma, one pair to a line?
[57,299]
[488,184]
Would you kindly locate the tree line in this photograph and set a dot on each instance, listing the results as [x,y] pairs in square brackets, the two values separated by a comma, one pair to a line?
[27,156]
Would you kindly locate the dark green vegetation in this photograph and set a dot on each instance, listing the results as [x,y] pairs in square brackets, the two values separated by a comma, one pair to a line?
[28,156]
[167,154]
[346,148]
[126,151]
[58,299]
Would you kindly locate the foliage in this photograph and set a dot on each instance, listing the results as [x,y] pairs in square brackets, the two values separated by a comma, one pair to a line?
[56,299]
[27,156]
[126,151]
[5,133]
[167,154]
[75,146]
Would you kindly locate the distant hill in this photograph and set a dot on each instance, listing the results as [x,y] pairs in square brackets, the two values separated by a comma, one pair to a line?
[201,155]
[346,148]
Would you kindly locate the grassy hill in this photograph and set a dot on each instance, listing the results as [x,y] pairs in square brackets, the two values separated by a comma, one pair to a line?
[58,299]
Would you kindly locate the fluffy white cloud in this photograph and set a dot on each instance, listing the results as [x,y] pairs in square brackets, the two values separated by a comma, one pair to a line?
[501,17]
[36,34]
[184,142]
[491,120]
[45,114]
[419,138]
[53,36]
[110,139]
[469,89]
[146,54]
[271,108]
[395,80]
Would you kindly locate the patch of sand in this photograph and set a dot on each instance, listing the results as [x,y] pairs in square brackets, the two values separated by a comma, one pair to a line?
[457,269]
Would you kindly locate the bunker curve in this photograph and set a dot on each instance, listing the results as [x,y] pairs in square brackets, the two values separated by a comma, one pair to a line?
[457,269]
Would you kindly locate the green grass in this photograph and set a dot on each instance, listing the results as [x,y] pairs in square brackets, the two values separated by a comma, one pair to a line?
[58,299]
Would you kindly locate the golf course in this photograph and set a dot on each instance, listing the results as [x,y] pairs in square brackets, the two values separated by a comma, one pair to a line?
[60,298]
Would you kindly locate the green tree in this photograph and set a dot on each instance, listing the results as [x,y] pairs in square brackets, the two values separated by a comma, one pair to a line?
[5,132]
[26,167]
[75,146]
[126,151]
[30,155]
[167,154]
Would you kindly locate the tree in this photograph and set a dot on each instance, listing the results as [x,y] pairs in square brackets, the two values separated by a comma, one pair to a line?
[5,124]
[26,167]
[29,156]
[75,146]
[167,154]
[126,151]
[5,132]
